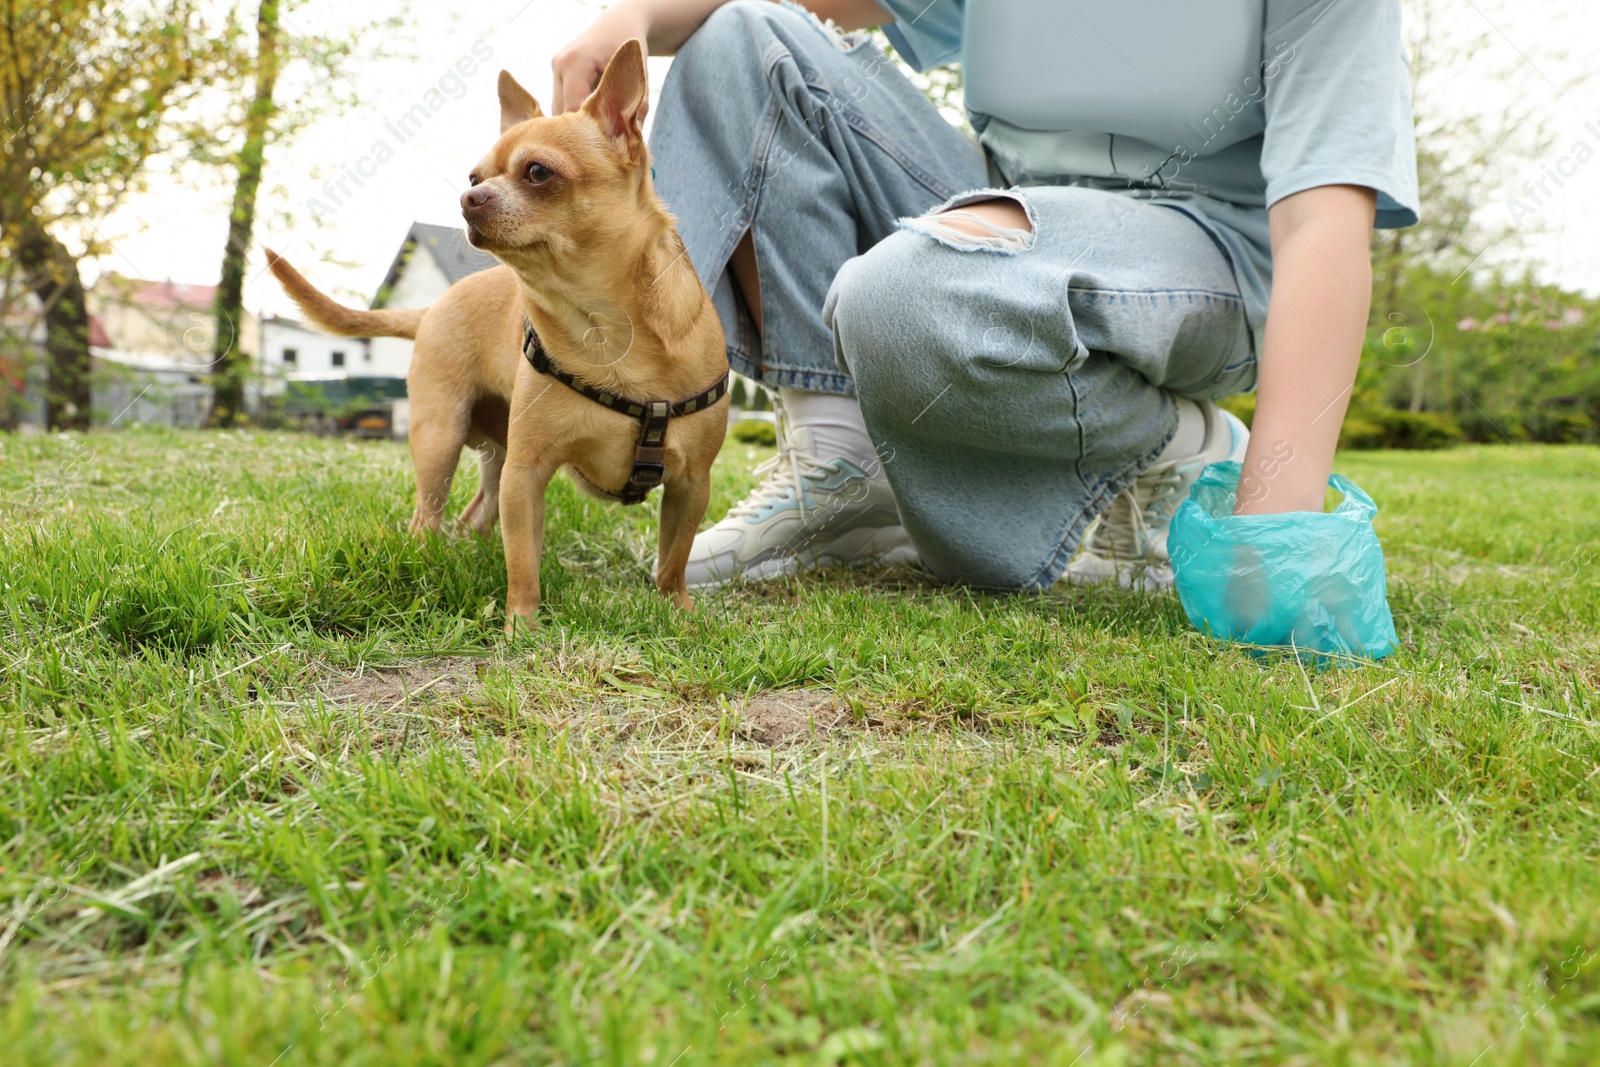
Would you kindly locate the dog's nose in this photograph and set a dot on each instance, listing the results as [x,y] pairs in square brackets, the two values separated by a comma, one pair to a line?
[477,198]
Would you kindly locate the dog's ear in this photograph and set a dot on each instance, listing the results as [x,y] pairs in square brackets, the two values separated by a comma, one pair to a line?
[621,99]
[516,103]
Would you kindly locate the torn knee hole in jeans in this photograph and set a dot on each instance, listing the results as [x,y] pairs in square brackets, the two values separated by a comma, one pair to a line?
[957,225]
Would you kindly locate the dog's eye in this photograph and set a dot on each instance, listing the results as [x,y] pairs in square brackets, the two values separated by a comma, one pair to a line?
[538,173]
[473,179]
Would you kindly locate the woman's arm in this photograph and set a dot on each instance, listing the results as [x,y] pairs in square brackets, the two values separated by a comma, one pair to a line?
[1316,320]
[663,25]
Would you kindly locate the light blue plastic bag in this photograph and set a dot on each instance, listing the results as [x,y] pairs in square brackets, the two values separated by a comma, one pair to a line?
[1311,580]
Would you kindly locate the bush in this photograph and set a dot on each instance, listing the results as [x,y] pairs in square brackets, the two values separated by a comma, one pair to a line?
[1242,407]
[1369,426]
[1373,427]
[1361,434]
[754,432]
[1561,427]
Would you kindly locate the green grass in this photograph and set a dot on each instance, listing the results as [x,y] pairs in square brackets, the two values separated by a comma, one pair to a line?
[273,790]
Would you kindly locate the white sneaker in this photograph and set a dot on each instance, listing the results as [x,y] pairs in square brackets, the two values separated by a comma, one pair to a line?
[806,513]
[1128,542]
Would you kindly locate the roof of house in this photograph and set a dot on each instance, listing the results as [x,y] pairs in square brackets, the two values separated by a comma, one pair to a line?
[152,362]
[161,295]
[295,324]
[449,248]
[24,323]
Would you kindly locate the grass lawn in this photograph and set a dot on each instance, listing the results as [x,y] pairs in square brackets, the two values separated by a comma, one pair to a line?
[274,790]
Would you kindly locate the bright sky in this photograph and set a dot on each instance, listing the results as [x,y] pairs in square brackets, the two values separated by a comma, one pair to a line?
[177,232]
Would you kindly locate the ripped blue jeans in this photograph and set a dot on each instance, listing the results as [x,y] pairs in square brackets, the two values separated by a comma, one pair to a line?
[1014,383]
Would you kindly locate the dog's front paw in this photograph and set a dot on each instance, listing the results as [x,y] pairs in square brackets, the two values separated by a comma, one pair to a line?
[521,621]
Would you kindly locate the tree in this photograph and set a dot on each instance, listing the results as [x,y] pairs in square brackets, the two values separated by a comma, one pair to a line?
[266,122]
[228,373]
[91,90]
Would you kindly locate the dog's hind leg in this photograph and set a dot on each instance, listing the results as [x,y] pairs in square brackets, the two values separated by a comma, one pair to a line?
[469,515]
[436,441]
[484,511]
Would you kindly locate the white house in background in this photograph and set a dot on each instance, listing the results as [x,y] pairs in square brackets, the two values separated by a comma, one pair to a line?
[151,345]
[293,351]
[430,260]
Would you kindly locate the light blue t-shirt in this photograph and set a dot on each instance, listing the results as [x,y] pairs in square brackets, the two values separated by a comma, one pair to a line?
[1217,107]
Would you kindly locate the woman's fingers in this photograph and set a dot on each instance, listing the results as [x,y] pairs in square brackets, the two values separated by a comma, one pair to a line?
[578,66]
[575,78]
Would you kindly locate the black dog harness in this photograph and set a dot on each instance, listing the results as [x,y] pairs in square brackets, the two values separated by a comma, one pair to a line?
[650,453]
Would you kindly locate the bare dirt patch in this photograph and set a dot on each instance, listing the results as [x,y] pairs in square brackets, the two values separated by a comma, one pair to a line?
[401,707]
[779,718]
[385,688]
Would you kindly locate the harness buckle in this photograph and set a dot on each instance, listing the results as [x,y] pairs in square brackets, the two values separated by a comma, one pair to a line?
[650,454]
[648,473]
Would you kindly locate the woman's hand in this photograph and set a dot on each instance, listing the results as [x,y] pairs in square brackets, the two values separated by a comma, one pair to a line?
[578,66]
[663,26]
[1321,289]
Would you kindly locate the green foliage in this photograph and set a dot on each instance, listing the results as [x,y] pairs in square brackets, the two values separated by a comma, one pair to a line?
[754,432]
[1503,359]
[1492,361]
[90,93]
[1368,428]
[338,397]
[1243,406]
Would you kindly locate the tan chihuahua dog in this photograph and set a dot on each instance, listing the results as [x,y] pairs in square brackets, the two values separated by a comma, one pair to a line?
[625,377]
[594,263]
[462,371]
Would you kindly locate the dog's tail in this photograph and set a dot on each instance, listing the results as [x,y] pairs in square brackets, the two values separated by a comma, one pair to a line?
[333,316]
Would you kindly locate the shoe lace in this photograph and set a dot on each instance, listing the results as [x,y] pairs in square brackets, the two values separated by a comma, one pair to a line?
[783,474]
[1123,531]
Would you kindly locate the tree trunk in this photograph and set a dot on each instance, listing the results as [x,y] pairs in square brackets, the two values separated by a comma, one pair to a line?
[228,366]
[52,275]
